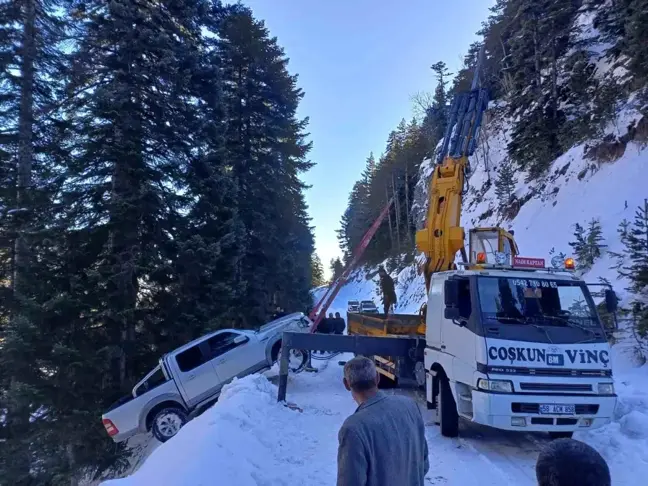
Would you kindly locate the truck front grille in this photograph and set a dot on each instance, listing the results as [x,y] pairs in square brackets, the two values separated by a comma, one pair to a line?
[556,387]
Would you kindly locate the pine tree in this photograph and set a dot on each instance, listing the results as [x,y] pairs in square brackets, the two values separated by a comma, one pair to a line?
[337,268]
[265,145]
[580,246]
[622,231]
[594,240]
[636,269]
[317,271]
[505,183]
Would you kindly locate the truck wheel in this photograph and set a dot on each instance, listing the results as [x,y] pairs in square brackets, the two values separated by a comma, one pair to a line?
[168,422]
[447,410]
[560,435]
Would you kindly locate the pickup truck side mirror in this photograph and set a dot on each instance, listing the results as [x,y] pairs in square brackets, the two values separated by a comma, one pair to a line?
[611,301]
[240,339]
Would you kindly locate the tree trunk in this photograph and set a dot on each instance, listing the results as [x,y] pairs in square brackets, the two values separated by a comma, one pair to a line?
[389,220]
[25,148]
[397,208]
[408,232]
[17,421]
[536,54]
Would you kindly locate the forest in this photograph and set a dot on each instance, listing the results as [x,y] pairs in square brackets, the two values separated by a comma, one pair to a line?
[150,163]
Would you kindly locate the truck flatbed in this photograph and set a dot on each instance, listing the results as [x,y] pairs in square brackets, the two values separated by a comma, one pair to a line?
[379,325]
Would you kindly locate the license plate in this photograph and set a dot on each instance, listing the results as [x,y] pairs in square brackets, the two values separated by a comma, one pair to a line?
[552,409]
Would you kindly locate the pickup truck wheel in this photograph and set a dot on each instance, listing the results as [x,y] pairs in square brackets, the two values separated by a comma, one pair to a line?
[447,409]
[297,359]
[168,422]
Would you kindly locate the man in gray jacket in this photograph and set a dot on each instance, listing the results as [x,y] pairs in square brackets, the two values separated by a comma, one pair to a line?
[383,443]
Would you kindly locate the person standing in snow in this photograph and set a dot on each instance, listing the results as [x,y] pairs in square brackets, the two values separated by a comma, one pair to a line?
[340,325]
[383,443]
[387,288]
[568,462]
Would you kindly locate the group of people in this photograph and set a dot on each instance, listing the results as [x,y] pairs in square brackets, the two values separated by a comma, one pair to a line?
[332,324]
[383,443]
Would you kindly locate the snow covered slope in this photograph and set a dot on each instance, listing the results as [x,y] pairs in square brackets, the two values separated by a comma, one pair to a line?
[248,439]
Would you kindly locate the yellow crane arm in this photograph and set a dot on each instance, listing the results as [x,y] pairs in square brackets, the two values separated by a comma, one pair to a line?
[443,236]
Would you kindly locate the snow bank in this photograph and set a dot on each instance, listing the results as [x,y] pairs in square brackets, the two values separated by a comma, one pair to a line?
[246,439]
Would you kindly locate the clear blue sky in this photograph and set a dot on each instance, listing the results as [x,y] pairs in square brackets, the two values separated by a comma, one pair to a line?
[359,62]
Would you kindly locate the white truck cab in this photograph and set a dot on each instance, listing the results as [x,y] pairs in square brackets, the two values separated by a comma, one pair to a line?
[516,349]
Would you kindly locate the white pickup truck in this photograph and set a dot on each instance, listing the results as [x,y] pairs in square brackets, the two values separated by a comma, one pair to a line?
[193,375]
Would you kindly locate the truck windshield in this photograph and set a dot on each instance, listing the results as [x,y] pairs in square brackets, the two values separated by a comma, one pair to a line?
[544,302]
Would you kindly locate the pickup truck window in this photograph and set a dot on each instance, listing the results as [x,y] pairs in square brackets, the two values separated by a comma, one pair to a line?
[190,358]
[155,380]
[222,343]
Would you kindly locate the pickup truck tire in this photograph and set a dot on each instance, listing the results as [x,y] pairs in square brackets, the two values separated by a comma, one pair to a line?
[447,410]
[297,360]
[167,422]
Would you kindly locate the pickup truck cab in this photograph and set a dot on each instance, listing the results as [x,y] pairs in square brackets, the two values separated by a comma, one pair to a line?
[192,376]
[368,307]
[517,350]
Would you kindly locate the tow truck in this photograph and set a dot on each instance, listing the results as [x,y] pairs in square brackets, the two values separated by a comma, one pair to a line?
[503,340]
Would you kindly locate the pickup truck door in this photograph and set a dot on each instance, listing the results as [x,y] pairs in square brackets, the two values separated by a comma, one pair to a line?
[197,376]
[235,354]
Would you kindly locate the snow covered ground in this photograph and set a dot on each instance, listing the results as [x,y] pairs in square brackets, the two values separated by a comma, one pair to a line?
[248,439]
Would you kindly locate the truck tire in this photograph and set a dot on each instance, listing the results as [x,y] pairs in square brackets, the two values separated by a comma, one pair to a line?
[447,410]
[560,435]
[168,422]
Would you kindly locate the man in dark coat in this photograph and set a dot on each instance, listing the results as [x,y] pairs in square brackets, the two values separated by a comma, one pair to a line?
[340,325]
[388,290]
[383,443]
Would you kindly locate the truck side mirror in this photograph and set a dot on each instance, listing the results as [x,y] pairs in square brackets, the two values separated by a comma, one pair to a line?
[451,313]
[611,301]
[451,293]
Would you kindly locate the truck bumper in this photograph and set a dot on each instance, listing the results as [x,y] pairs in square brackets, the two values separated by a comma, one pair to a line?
[522,412]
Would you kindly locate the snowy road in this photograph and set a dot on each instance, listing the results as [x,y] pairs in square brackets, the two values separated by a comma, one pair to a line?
[249,439]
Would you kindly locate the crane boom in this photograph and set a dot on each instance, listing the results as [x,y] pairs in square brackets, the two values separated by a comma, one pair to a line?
[443,236]
[319,311]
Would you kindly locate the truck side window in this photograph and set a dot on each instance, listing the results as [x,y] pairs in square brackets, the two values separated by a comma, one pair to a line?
[222,343]
[465,303]
[190,358]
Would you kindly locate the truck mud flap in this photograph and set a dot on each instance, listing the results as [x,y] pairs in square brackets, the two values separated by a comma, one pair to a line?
[385,367]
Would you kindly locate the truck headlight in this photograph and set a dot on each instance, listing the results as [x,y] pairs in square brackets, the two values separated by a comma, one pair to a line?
[502,386]
[606,388]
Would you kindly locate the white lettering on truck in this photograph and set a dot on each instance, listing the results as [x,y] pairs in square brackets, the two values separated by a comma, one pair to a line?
[551,357]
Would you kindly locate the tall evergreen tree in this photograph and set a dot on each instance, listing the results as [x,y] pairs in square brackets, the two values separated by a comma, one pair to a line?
[317,271]
[505,183]
[636,268]
[337,267]
[265,145]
